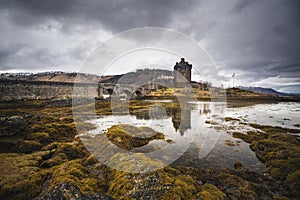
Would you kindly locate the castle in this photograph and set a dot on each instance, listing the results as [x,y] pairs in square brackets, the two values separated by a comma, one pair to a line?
[26,89]
[182,73]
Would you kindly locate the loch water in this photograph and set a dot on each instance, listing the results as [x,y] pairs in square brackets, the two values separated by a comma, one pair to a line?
[201,132]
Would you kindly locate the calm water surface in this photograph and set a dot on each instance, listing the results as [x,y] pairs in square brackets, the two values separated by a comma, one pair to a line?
[200,132]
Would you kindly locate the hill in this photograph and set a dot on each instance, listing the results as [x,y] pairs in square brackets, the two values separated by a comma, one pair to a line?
[57,76]
[264,91]
[140,77]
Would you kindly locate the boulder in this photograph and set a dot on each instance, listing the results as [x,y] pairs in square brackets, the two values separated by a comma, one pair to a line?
[12,125]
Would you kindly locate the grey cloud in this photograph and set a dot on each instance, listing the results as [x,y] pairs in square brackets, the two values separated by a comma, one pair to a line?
[115,15]
[255,39]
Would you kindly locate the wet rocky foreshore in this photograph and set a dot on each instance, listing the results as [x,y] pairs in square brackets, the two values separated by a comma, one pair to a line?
[41,157]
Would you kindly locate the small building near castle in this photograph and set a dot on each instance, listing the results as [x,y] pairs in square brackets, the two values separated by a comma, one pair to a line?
[182,73]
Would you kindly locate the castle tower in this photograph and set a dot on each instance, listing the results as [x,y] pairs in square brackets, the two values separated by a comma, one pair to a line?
[182,72]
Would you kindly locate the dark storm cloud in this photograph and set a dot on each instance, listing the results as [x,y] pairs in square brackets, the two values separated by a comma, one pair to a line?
[259,40]
[75,25]
[116,15]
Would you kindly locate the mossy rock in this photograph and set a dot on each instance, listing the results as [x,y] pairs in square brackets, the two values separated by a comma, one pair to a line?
[42,137]
[56,159]
[238,165]
[120,185]
[10,145]
[292,181]
[28,146]
[236,187]
[67,190]
[230,180]
[21,178]
[128,137]
[14,125]
[72,150]
[281,198]
[231,119]
[56,131]
[229,143]
[136,163]
[182,188]
[90,160]
[162,184]
[280,152]
[75,173]
[209,191]
[61,152]
[249,136]
[276,173]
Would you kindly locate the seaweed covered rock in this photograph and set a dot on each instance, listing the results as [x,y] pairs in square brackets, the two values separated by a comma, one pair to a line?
[60,152]
[57,131]
[28,146]
[166,183]
[74,173]
[67,190]
[280,152]
[12,125]
[21,177]
[236,187]
[209,191]
[136,163]
[42,137]
[292,181]
[128,137]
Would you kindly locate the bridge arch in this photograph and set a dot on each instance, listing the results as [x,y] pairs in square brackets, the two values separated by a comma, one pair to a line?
[138,93]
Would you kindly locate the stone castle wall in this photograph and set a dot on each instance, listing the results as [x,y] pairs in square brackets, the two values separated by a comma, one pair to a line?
[20,89]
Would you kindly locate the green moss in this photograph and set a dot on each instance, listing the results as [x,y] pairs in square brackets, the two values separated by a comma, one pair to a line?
[57,131]
[42,137]
[128,137]
[238,165]
[21,177]
[55,159]
[229,143]
[230,180]
[292,181]
[273,129]
[74,173]
[28,146]
[249,136]
[209,191]
[276,173]
[230,119]
[183,186]
[90,160]
[247,194]
[280,198]
[167,183]
[280,151]
[120,185]
[10,145]
[61,152]
[137,162]
[237,187]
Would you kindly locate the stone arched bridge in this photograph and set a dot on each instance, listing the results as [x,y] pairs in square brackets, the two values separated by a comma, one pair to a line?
[106,90]
[21,89]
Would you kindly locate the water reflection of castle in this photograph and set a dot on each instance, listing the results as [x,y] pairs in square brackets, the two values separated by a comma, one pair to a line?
[181,116]
[181,119]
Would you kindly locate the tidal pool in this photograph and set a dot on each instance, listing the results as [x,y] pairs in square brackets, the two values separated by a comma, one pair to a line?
[201,131]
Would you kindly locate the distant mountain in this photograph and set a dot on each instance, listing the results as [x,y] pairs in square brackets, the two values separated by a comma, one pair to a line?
[55,76]
[140,77]
[264,91]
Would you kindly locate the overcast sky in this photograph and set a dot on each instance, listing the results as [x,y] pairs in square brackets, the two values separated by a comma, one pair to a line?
[259,40]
